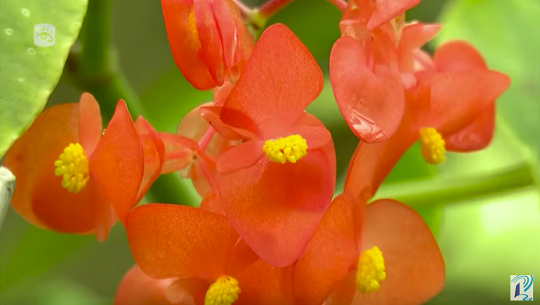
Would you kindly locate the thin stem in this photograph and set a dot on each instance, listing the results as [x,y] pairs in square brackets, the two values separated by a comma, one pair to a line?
[246,11]
[94,55]
[273,6]
[206,138]
[340,4]
[419,194]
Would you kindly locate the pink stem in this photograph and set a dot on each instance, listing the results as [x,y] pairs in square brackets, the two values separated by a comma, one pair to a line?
[273,6]
[246,11]
[206,138]
[340,4]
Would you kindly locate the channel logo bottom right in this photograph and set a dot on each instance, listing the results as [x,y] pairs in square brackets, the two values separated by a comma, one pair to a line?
[521,288]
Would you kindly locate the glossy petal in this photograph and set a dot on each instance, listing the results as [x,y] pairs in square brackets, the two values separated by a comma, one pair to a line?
[153,151]
[371,163]
[242,156]
[33,155]
[90,127]
[188,291]
[169,240]
[117,163]
[137,288]
[185,44]
[475,136]
[330,254]
[413,261]
[389,9]
[450,101]
[280,79]
[277,224]
[203,175]
[371,102]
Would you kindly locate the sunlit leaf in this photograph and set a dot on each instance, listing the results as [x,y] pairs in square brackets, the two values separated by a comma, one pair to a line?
[35,39]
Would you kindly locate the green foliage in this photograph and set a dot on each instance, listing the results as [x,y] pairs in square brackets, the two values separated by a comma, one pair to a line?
[507,34]
[29,73]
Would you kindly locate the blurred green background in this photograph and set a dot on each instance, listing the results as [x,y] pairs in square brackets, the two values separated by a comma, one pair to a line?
[483,207]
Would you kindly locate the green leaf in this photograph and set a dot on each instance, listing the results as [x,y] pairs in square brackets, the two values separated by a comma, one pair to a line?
[35,252]
[28,72]
[507,34]
[315,22]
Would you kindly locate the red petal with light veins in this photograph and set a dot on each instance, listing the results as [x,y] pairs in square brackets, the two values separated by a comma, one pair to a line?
[389,9]
[153,154]
[90,127]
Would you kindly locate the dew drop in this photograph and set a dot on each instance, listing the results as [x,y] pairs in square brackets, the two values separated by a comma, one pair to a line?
[8,31]
[25,12]
[31,51]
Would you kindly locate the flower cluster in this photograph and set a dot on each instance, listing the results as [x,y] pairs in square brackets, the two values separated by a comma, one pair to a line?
[268,229]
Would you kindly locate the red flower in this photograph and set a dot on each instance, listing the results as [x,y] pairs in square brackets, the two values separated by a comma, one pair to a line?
[451,107]
[276,185]
[137,288]
[69,176]
[379,254]
[204,255]
[208,39]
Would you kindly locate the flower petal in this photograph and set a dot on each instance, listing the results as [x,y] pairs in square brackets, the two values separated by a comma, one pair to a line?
[90,127]
[364,177]
[371,102]
[240,157]
[137,288]
[458,56]
[117,163]
[34,153]
[184,42]
[413,37]
[263,284]
[413,262]
[210,38]
[389,9]
[330,254]
[280,79]
[153,151]
[449,101]
[169,240]
[276,207]
[179,152]
[475,136]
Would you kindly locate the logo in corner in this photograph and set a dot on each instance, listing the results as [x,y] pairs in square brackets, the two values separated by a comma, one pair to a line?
[44,35]
[521,288]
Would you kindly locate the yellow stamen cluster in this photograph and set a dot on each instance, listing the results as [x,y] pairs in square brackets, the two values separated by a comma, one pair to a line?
[224,291]
[192,28]
[370,271]
[291,148]
[72,165]
[432,146]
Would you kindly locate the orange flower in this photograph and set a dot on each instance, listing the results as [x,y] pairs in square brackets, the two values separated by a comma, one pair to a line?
[208,39]
[137,288]
[451,107]
[69,176]
[275,186]
[380,254]
[204,255]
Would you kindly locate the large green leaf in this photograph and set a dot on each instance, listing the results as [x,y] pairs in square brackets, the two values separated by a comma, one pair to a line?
[507,33]
[29,72]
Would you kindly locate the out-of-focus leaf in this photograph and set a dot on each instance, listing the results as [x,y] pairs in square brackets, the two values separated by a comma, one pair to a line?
[53,292]
[507,33]
[37,251]
[28,71]
[169,99]
[485,241]
[315,22]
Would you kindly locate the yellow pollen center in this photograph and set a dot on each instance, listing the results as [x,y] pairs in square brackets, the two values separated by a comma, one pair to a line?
[224,291]
[192,28]
[72,165]
[432,146]
[291,148]
[370,271]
